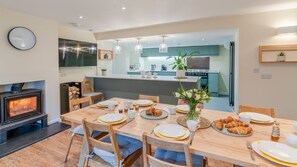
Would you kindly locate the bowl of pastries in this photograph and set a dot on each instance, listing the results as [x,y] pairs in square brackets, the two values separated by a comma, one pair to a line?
[153,113]
[233,127]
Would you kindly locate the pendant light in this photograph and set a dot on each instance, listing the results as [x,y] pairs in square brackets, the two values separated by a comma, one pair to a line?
[163,48]
[138,48]
[117,49]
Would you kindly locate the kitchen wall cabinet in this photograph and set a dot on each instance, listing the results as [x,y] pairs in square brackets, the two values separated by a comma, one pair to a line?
[209,50]
[213,84]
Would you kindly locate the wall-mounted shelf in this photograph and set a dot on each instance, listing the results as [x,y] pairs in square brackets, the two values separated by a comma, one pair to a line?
[268,53]
[105,54]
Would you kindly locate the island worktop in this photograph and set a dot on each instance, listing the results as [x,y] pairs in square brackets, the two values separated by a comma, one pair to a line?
[130,86]
[138,77]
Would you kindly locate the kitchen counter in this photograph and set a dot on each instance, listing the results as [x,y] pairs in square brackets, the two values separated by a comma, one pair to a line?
[174,71]
[130,86]
[138,77]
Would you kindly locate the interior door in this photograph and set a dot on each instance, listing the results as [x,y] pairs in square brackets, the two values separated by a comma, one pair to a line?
[231,73]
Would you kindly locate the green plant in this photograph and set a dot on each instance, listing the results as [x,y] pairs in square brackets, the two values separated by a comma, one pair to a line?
[103,69]
[281,54]
[180,60]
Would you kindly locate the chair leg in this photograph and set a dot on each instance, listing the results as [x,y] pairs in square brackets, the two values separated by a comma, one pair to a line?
[86,162]
[69,146]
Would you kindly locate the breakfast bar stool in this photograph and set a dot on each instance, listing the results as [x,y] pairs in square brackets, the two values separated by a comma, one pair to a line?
[168,153]
[113,150]
[155,99]
[265,111]
[88,90]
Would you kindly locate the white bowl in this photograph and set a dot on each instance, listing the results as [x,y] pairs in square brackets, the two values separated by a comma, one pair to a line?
[295,126]
[291,140]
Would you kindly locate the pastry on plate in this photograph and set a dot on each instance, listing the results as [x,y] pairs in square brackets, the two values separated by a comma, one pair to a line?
[235,124]
[228,119]
[240,130]
[157,113]
[219,124]
[150,111]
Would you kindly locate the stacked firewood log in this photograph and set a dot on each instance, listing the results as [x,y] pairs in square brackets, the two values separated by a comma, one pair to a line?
[74,93]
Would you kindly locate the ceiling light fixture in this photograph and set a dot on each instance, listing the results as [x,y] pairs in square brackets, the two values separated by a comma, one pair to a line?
[203,39]
[117,49]
[138,48]
[288,30]
[81,17]
[123,8]
[163,48]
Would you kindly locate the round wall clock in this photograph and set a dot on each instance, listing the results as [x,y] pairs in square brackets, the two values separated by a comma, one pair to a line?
[21,38]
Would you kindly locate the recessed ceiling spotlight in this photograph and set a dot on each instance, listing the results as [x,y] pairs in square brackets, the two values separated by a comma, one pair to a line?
[203,39]
[123,8]
[81,17]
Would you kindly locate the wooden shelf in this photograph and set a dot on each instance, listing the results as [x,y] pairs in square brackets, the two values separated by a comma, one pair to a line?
[105,54]
[268,53]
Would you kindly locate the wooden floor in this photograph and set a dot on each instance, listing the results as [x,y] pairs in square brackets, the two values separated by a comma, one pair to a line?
[47,153]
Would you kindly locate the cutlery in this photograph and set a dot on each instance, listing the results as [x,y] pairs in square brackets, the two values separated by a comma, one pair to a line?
[128,121]
[249,146]
[154,127]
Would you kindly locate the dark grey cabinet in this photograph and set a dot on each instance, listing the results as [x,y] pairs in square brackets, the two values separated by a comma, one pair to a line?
[209,50]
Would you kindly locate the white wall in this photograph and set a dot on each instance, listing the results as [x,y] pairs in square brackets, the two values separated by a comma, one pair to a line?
[254,30]
[39,63]
[75,74]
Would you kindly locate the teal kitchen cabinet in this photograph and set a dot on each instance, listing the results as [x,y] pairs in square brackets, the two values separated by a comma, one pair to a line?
[209,50]
[213,84]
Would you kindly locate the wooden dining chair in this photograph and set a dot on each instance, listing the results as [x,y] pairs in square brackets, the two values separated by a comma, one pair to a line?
[265,111]
[76,130]
[155,99]
[87,90]
[111,150]
[164,148]
[180,102]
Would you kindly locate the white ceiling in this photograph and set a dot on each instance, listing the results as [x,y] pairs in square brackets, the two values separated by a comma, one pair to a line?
[218,37]
[107,15]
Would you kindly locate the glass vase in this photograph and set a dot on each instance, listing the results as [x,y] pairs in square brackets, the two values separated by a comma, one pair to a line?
[193,114]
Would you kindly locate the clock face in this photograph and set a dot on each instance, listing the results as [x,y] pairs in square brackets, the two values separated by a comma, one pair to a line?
[21,38]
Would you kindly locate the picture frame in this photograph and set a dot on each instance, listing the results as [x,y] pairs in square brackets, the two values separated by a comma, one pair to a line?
[105,54]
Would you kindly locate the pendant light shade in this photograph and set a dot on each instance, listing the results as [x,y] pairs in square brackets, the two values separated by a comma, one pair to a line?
[138,48]
[163,48]
[117,49]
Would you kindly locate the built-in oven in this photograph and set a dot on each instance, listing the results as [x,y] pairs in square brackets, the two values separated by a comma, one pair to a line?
[203,75]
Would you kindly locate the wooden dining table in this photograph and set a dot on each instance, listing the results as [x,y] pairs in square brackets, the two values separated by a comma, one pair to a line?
[206,142]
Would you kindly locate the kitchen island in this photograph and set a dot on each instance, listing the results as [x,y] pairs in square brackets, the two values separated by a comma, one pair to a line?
[130,86]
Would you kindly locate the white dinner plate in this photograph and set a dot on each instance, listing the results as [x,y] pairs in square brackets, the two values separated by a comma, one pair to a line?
[187,134]
[279,151]
[143,102]
[106,103]
[183,108]
[170,130]
[114,117]
[258,151]
[258,118]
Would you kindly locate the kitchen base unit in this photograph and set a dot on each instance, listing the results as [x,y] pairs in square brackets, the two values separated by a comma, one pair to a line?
[128,86]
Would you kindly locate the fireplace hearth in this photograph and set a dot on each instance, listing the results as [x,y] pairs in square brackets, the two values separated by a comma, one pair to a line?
[19,108]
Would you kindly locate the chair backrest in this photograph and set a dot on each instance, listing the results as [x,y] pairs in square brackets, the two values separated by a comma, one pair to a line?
[265,111]
[178,146]
[76,102]
[180,102]
[86,86]
[89,127]
[147,97]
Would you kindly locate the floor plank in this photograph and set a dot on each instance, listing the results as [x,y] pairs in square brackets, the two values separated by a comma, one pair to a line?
[46,153]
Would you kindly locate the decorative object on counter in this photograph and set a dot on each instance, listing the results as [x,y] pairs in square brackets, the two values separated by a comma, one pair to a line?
[192,98]
[21,38]
[163,67]
[275,134]
[153,67]
[117,49]
[180,63]
[142,73]
[148,74]
[155,75]
[105,54]
[163,48]
[138,48]
[281,57]
[103,72]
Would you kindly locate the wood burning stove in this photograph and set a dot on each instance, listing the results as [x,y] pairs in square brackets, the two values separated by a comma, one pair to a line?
[20,105]
[18,108]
